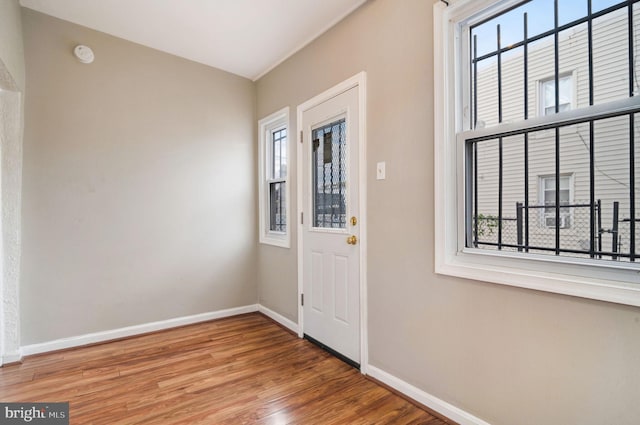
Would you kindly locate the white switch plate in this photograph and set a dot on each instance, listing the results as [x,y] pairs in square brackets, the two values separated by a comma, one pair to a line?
[380,171]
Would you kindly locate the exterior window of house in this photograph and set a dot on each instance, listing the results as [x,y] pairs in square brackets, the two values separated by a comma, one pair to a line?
[538,144]
[548,94]
[547,186]
[273,185]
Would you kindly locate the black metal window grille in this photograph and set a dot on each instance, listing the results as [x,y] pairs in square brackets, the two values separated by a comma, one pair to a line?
[329,159]
[277,180]
[599,146]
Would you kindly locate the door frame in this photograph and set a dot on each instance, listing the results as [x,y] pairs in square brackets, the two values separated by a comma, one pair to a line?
[12,106]
[360,81]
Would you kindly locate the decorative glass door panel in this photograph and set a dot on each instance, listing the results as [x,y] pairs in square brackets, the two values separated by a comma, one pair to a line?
[329,174]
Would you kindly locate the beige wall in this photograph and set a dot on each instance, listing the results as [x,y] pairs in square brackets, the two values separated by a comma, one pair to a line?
[139,185]
[139,205]
[507,355]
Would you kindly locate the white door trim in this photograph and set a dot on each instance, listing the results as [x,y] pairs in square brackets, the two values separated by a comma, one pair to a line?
[359,80]
[12,112]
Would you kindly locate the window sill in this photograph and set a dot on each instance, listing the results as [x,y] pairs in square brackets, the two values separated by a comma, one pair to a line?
[280,240]
[617,285]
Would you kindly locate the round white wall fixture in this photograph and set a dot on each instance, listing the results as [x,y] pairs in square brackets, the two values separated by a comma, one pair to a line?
[84,53]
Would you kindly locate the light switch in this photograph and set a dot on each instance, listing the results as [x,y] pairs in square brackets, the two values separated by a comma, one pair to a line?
[380,171]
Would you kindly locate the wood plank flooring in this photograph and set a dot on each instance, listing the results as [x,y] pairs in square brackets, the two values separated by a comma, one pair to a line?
[239,370]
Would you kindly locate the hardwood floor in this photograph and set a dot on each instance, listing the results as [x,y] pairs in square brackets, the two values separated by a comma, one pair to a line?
[239,370]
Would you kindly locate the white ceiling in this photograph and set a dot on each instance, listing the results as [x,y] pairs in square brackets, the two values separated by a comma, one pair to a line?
[245,37]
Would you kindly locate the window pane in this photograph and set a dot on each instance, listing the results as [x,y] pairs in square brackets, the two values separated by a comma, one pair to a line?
[512,31]
[578,197]
[549,198]
[609,66]
[540,73]
[564,229]
[512,191]
[278,218]
[570,10]
[636,222]
[499,194]
[487,94]
[513,85]
[612,183]
[279,154]
[550,183]
[549,94]
[485,212]
[611,57]
[636,48]
[329,175]
[565,94]
[566,90]
[598,5]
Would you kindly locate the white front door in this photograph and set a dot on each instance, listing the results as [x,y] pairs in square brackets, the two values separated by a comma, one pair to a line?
[331,250]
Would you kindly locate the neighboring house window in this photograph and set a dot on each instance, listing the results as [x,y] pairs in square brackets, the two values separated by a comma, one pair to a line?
[548,94]
[547,186]
[273,185]
[524,96]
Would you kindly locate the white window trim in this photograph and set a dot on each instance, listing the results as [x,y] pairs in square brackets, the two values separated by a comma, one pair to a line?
[266,126]
[619,283]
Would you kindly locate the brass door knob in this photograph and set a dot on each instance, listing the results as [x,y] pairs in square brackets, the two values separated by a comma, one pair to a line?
[352,240]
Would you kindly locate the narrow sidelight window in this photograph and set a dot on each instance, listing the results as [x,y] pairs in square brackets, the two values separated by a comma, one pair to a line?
[273,185]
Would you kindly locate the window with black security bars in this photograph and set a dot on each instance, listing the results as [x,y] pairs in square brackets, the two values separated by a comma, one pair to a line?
[551,153]
[329,173]
[277,181]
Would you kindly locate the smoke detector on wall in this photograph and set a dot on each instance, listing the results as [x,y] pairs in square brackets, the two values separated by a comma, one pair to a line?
[84,53]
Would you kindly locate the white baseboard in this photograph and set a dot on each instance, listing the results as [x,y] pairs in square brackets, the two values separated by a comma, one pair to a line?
[278,318]
[448,410]
[452,412]
[92,338]
[14,357]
